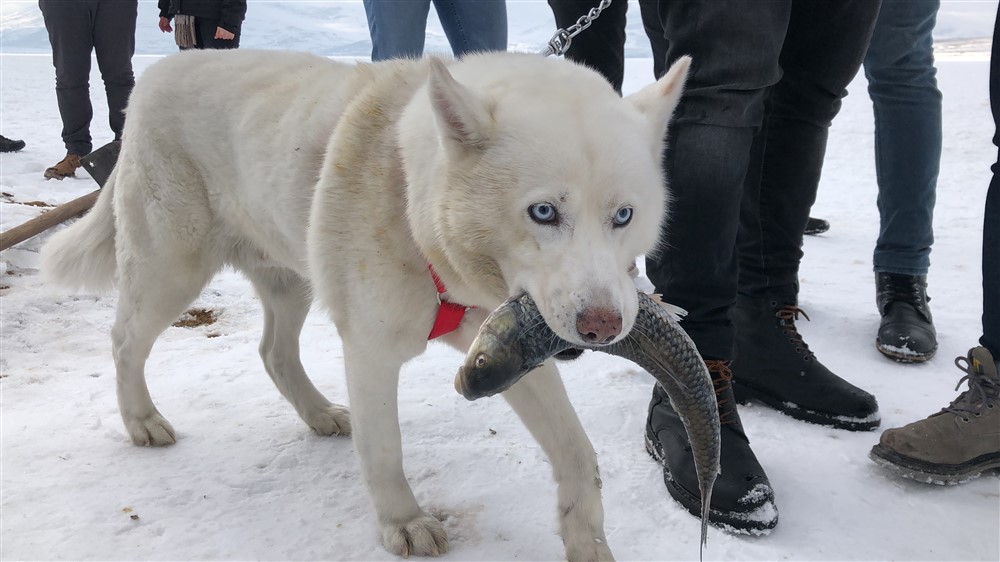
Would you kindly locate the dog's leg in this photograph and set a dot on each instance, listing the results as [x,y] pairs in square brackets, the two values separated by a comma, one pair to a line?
[286,299]
[372,377]
[541,401]
[154,291]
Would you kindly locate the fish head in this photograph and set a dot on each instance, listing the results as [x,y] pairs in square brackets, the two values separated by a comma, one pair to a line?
[498,356]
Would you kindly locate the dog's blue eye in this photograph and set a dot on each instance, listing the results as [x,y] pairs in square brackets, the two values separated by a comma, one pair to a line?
[543,213]
[623,216]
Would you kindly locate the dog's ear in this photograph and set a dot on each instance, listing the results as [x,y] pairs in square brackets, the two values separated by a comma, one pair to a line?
[657,101]
[462,115]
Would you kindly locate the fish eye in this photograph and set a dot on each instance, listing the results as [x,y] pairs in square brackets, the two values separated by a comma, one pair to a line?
[543,213]
[481,360]
[623,216]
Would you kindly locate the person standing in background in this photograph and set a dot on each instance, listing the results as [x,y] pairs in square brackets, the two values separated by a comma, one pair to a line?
[902,83]
[398,27]
[204,24]
[765,83]
[76,28]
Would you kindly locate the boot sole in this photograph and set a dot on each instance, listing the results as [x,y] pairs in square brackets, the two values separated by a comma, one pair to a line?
[930,473]
[837,421]
[759,521]
[911,357]
[57,176]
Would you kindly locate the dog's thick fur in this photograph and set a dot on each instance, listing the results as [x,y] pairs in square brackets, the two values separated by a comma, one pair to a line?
[506,172]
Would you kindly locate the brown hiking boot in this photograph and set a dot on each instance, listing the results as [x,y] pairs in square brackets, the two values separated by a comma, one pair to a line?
[958,443]
[65,168]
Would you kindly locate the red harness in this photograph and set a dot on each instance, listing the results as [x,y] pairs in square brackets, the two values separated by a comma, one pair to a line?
[449,314]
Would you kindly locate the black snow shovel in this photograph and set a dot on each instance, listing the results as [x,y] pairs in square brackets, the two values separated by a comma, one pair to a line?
[100,162]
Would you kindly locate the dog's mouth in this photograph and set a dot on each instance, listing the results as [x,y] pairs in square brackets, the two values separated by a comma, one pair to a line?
[569,354]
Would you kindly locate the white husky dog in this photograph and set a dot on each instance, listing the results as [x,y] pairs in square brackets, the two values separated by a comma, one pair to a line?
[504,172]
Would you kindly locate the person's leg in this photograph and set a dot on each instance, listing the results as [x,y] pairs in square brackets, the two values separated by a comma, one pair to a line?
[705,164]
[602,45]
[473,26]
[902,83]
[114,43]
[397,27]
[991,222]
[69,28]
[900,69]
[708,154]
[658,43]
[822,53]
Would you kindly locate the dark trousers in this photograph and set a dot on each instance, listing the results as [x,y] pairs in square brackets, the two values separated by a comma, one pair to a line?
[602,45]
[77,28]
[991,223]
[204,35]
[746,147]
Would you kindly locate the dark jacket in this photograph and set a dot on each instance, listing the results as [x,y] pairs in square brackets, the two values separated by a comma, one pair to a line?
[229,13]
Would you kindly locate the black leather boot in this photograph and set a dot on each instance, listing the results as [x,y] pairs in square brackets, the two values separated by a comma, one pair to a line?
[906,332]
[10,145]
[742,499]
[774,366]
[816,226]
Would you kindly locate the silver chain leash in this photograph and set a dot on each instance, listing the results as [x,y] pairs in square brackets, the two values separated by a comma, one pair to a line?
[560,42]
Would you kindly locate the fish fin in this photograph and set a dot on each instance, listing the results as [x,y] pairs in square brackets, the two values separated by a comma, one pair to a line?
[677,312]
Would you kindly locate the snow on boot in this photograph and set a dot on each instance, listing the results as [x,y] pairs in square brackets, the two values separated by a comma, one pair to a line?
[906,332]
[958,443]
[774,365]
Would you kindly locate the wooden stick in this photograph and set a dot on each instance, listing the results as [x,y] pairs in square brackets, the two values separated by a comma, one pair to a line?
[47,220]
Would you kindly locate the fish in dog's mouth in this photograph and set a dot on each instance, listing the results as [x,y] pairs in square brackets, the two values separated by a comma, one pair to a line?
[515,339]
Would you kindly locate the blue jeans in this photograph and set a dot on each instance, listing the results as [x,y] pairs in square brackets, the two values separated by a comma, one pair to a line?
[398,27]
[746,147]
[903,86]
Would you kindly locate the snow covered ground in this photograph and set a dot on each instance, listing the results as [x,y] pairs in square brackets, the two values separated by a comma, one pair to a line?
[248,480]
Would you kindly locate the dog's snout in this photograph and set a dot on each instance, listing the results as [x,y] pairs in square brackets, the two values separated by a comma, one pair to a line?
[599,325]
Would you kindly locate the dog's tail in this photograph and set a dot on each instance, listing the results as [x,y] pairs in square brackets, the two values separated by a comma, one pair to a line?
[82,256]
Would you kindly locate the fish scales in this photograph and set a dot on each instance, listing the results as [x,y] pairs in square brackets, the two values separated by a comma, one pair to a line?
[515,339]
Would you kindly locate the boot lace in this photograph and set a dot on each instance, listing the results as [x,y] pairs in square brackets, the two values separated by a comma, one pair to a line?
[788,314]
[984,391]
[722,380]
[903,289]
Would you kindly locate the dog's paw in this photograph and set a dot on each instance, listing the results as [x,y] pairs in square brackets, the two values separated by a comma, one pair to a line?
[592,550]
[332,420]
[153,430]
[421,536]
